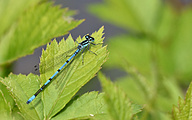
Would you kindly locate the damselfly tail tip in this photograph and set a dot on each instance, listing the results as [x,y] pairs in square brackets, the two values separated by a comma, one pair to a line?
[28,101]
[31,99]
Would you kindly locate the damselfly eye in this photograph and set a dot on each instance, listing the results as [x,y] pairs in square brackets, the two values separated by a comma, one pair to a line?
[91,39]
[87,37]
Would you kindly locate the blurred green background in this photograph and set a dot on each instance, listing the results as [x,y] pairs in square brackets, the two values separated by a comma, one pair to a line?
[149,45]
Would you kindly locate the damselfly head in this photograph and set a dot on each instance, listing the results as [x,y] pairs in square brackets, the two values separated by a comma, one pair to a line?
[89,38]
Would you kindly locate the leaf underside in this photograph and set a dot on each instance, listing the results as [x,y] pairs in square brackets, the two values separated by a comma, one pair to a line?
[34,27]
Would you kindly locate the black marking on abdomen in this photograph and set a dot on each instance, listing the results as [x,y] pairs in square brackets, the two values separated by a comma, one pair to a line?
[38,92]
[43,87]
[76,53]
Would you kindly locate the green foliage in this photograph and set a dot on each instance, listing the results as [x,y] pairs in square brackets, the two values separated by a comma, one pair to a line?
[155,53]
[51,103]
[183,111]
[167,43]
[88,106]
[10,11]
[5,107]
[29,24]
[119,106]
[135,14]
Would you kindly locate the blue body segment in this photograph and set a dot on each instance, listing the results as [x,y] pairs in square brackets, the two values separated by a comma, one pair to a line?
[48,81]
[30,99]
[82,46]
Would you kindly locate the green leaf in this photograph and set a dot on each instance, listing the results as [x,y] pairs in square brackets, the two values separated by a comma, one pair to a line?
[10,10]
[20,87]
[4,91]
[140,91]
[166,22]
[8,109]
[135,14]
[184,110]
[174,39]
[35,27]
[159,52]
[119,106]
[5,111]
[182,45]
[133,90]
[55,97]
[7,104]
[86,106]
[135,51]
[72,80]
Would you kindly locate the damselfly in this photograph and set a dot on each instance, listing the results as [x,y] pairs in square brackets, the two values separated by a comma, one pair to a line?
[81,47]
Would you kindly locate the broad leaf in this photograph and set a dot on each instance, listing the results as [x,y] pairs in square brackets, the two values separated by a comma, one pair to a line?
[10,10]
[90,105]
[20,87]
[74,76]
[35,27]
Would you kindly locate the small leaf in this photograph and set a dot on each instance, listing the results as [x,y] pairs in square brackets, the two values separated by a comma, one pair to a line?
[184,110]
[86,106]
[119,106]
